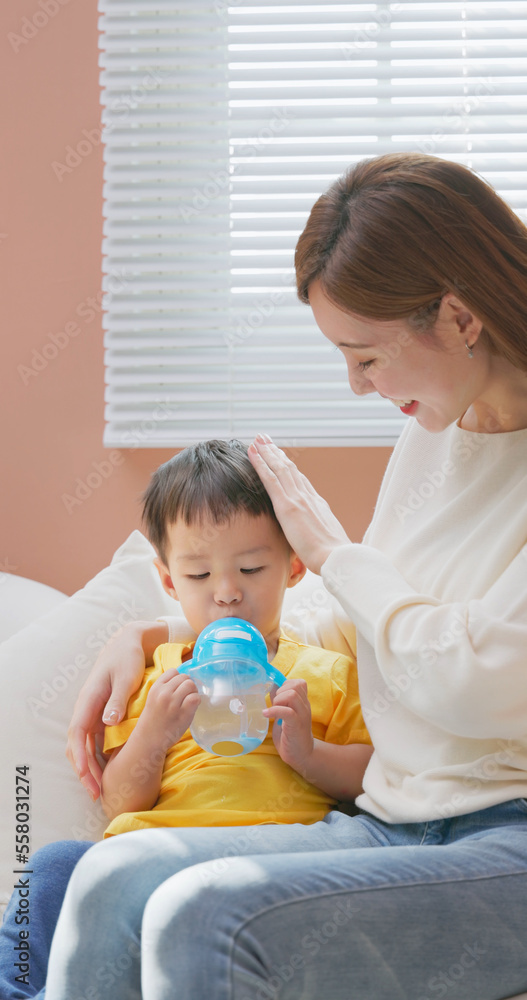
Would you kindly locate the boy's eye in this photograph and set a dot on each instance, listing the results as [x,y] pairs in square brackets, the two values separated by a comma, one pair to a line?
[200,576]
[255,569]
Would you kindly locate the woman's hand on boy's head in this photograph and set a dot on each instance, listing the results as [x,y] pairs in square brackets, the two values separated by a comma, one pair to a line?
[293,738]
[307,521]
[116,674]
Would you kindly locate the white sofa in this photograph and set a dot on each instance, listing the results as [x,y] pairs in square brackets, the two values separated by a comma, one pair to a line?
[43,664]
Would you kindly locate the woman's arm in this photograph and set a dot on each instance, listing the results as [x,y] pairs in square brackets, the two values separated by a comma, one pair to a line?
[117,673]
[317,619]
[459,665]
[132,777]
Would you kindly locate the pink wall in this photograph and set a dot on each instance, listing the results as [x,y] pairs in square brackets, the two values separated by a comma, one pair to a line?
[50,249]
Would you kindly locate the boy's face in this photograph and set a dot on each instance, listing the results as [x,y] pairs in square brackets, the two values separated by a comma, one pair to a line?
[241,568]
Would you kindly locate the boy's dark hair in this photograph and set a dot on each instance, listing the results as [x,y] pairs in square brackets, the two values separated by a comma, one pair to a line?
[212,479]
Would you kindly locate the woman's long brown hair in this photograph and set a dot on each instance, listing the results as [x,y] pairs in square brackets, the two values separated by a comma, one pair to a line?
[396,232]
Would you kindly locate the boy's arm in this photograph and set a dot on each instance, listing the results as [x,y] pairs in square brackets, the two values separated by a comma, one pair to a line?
[132,777]
[336,769]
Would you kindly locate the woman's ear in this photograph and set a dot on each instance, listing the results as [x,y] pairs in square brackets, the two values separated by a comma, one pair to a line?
[297,570]
[166,579]
[467,324]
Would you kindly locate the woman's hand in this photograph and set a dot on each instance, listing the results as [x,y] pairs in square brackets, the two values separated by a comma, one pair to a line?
[116,674]
[310,527]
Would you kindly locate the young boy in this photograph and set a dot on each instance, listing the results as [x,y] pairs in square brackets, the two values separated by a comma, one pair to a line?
[221,552]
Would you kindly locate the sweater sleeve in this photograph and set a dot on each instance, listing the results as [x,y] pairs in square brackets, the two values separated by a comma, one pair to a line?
[179,629]
[325,624]
[461,666]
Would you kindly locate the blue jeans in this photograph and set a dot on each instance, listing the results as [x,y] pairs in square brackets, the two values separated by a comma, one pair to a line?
[50,869]
[296,912]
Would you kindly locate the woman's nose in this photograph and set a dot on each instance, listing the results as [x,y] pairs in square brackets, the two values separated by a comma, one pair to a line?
[359,383]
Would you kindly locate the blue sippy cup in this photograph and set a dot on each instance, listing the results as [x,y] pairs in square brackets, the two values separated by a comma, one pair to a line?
[232,674]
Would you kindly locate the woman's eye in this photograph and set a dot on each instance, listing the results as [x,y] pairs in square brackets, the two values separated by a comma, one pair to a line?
[364,365]
[256,569]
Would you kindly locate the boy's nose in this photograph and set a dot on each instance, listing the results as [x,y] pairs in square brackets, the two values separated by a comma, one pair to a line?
[227,593]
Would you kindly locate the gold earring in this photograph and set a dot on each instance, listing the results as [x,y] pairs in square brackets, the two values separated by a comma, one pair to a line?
[469,349]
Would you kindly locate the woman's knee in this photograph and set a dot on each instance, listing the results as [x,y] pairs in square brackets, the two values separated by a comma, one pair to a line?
[173,915]
[201,900]
[102,876]
[117,874]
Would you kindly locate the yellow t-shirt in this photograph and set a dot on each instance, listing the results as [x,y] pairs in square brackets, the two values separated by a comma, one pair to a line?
[201,789]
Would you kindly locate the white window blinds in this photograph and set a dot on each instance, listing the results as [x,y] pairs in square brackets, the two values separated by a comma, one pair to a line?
[223,124]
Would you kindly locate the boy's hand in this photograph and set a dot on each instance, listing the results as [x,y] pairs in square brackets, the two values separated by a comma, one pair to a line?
[293,738]
[170,707]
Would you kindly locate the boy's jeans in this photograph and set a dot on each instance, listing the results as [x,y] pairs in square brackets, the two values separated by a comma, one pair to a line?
[298,912]
[50,868]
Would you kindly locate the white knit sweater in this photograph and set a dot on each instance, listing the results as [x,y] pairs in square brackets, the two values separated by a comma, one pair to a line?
[438,594]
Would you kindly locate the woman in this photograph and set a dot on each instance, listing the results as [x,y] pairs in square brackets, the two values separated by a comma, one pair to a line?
[417,272]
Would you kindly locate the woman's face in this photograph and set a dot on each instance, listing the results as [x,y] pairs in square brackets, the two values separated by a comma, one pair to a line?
[430,377]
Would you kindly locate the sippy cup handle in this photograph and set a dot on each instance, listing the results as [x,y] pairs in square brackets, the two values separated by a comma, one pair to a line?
[278,678]
[275,675]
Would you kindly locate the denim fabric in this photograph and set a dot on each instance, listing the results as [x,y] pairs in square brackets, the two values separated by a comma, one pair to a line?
[350,908]
[46,880]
